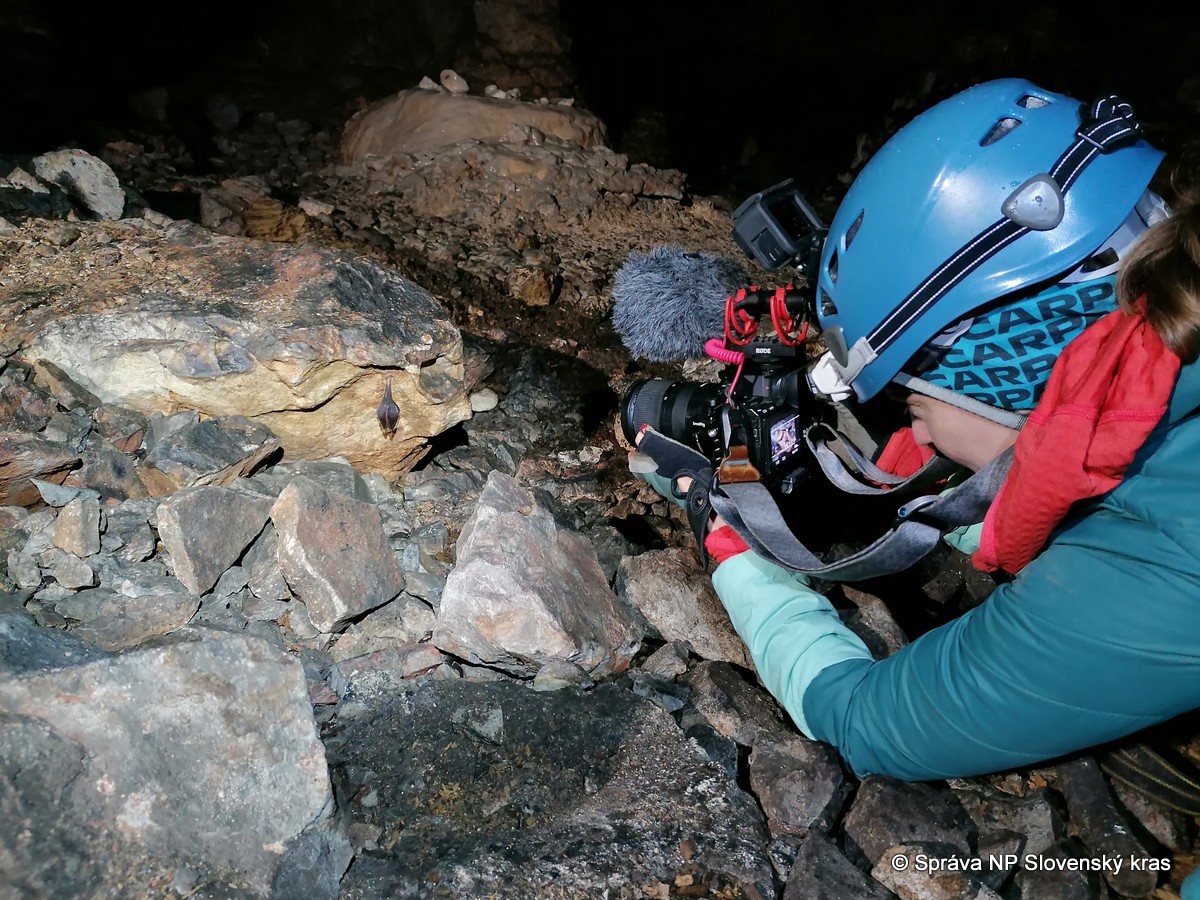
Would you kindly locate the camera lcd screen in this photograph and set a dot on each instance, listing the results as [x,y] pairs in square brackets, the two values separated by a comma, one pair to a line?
[785,439]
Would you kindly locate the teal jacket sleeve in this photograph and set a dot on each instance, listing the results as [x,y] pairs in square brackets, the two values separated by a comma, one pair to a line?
[792,632]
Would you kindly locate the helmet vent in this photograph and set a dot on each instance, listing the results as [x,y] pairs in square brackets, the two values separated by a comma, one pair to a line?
[828,307]
[1100,261]
[999,130]
[1031,102]
[853,229]
[832,268]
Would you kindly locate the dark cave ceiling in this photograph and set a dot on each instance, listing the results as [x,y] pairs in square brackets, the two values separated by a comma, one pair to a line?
[741,93]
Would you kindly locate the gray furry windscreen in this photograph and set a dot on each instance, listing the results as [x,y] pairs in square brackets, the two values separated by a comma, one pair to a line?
[669,302]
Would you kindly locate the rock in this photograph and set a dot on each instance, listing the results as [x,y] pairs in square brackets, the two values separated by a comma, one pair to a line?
[735,708]
[380,672]
[228,521]
[119,622]
[214,451]
[800,784]
[333,553]
[1102,828]
[872,621]
[668,661]
[423,121]
[618,799]
[525,591]
[532,285]
[822,872]
[85,178]
[182,738]
[483,400]
[26,647]
[24,457]
[297,338]
[1033,816]
[901,869]
[77,528]
[453,82]
[676,597]
[886,813]
[558,674]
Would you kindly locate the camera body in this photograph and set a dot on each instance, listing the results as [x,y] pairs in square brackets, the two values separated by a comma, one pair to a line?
[751,425]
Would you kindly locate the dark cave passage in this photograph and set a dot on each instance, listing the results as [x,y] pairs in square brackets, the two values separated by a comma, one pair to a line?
[738,96]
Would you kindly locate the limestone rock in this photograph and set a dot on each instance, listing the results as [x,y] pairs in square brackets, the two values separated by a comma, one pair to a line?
[526,591]
[423,121]
[228,716]
[333,553]
[676,596]
[297,338]
[85,178]
[205,529]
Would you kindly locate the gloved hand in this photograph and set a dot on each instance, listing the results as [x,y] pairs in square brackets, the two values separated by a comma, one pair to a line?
[723,542]
[680,473]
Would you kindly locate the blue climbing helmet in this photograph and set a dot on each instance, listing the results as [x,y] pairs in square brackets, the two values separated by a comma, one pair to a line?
[999,189]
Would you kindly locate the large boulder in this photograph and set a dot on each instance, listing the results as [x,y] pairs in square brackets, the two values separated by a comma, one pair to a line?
[299,338]
[427,121]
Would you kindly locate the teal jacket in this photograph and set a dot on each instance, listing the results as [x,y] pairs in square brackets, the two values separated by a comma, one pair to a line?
[1097,638]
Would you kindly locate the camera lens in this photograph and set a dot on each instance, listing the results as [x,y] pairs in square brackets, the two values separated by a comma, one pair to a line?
[669,407]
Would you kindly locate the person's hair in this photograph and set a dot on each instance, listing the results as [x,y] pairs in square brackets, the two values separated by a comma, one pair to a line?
[1164,267]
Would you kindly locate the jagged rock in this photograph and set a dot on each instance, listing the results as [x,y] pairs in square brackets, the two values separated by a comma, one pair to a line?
[676,596]
[1067,871]
[65,391]
[822,872]
[128,531]
[67,569]
[525,591]
[117,622]
[333,553]
[735,707]
[914,872]
[297,338]
[231,520]
[404,619]
[423,121]
[1102,828]
[800,784]
[886,812]
[77,528]
[24,408]
[27,456]
[261,561]
[617,798]
[26,647]
[872,621]
[214,451]
[668,661]
[85,178]
[1033,816]
[558,674]
[379,672]
[210,729]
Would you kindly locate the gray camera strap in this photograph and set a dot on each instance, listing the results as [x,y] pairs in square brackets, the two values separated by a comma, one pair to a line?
[846,467]
[920,523]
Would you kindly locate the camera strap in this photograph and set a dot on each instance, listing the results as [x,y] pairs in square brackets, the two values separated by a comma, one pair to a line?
[846,468]
[920,523]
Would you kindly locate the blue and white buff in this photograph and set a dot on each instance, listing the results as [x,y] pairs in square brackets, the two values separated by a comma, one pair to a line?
[1003,357]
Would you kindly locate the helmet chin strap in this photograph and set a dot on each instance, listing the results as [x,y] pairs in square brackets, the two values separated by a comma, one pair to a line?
[1006,417]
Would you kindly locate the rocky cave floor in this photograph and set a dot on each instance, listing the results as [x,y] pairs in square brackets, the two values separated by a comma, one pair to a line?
[528,283]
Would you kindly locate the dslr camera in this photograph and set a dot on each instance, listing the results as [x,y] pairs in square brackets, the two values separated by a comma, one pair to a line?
[751,424]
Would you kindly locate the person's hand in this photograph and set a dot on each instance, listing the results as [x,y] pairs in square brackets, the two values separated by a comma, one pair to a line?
[671,479]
